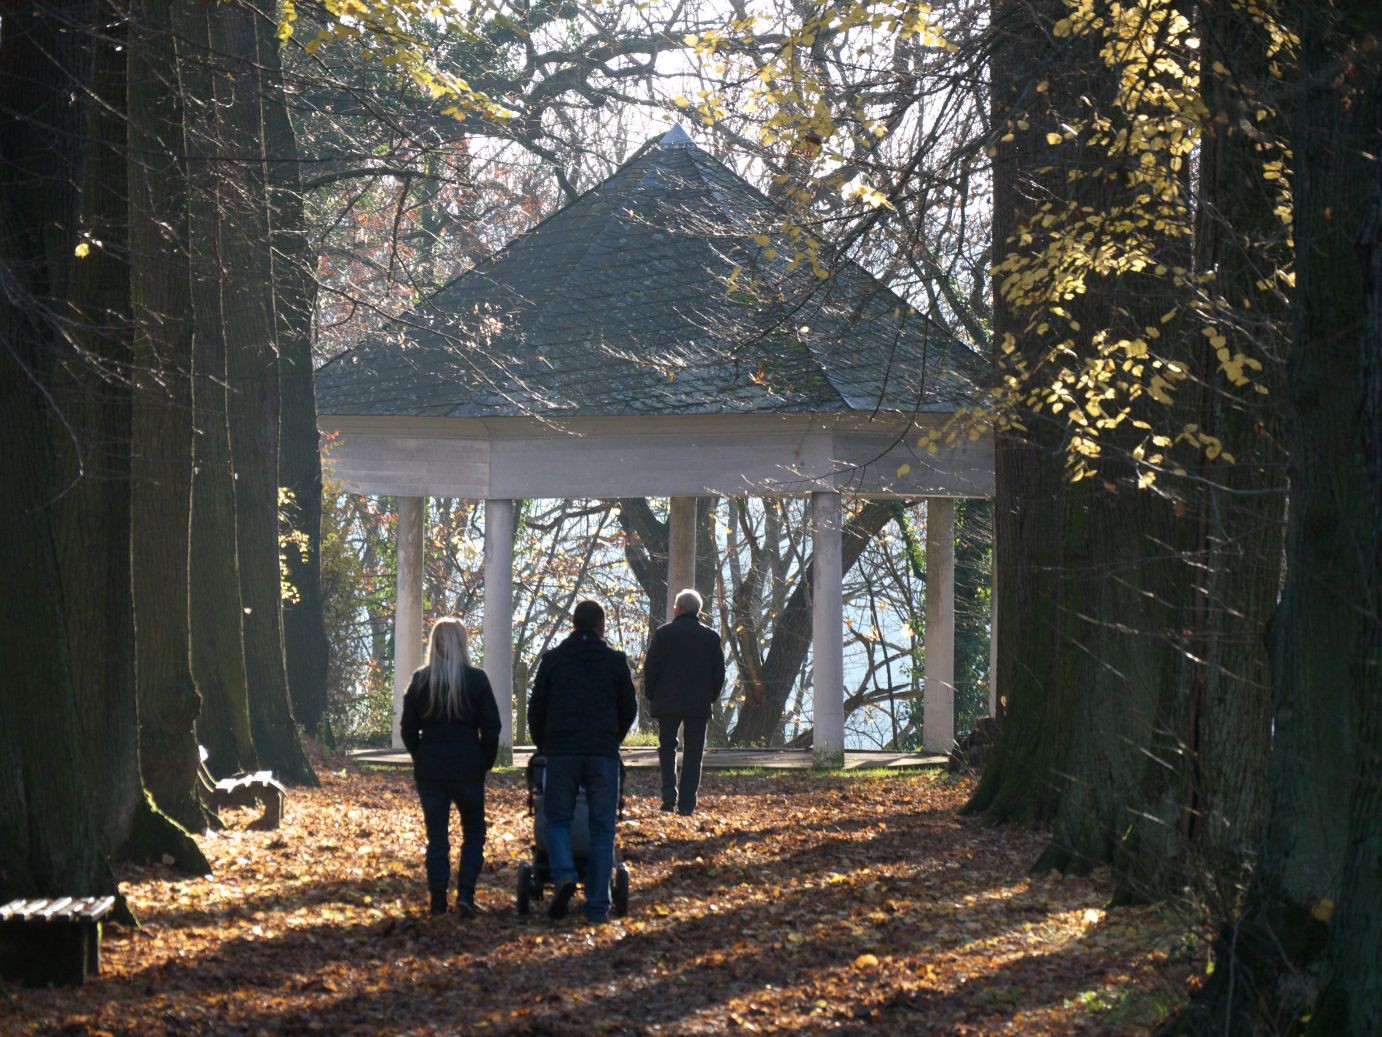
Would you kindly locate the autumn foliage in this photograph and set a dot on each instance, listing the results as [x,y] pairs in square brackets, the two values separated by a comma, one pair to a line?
[791,903]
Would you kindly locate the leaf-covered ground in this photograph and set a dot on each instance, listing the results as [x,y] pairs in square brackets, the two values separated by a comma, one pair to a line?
[791,903]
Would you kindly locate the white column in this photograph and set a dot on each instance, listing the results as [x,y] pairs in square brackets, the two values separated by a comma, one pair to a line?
[498,632]
[407,616]
[938,733]
[681,549]
[827,631]
[993,620]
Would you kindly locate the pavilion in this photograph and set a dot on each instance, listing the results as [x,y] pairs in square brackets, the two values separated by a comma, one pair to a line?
[670,333]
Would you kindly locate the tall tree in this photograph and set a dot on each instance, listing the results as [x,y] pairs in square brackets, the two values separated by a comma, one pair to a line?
[91,437]
[252,367]
[1206,773]
[48,839]
[161,429]
[299,461]
[215,611]
[1311,912]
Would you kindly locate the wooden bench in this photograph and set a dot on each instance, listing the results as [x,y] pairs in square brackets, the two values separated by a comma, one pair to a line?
[55,940]
[246,790]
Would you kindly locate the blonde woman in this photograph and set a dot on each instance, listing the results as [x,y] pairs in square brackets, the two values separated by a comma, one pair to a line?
[451,728]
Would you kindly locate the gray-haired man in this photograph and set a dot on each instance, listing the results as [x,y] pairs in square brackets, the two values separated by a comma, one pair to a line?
[682,676]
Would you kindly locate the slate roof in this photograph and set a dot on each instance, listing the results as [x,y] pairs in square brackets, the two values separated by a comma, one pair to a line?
[621,304]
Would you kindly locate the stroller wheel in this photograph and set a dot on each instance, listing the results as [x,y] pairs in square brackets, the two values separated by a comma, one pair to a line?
[525,886]
[619,891]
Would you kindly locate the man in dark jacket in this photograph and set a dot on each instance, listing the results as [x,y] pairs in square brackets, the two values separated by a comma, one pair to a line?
[582,706]
[682,675]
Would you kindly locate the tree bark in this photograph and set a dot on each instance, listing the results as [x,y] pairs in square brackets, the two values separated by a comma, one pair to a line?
[92,518]
[1023,780]
[299,464]
[1323,638]
[1351,1002]
[215,611]
[1093,590]
[161,449]
[252,367]
[1202,826]
[48,840]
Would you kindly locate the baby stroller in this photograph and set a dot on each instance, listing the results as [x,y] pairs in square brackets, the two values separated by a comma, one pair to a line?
[535,876]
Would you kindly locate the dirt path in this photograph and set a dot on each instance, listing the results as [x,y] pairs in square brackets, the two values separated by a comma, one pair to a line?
[792,903]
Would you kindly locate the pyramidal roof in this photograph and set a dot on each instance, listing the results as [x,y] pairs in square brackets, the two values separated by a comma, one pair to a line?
[652,294]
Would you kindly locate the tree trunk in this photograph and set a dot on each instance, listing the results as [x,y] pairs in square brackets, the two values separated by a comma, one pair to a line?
[48,841]
[1093,587]
[1023,781]
[1351,1002]
[299,463]
[1323,637]
[161,448]
[215,612]
[1219,725]
[92,518]
[252,367]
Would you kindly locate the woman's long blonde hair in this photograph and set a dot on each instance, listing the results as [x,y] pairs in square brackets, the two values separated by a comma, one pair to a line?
[446,662]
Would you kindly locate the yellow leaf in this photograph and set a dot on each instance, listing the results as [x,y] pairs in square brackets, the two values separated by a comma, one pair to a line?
[1323,911]
[903,469]
[1053,138]
[82,250]
[866,961]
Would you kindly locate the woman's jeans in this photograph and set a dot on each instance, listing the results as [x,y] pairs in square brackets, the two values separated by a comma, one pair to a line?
[599,776]
[469,797]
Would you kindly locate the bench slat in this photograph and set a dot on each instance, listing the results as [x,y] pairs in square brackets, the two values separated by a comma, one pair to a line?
[58,909]
[96,908]
[52,909]
[18,910]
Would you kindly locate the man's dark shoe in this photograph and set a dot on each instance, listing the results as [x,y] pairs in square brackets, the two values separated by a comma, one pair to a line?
[466,906]
[561,900]
[686,811]
[438,905]
[597,919]
[668,805]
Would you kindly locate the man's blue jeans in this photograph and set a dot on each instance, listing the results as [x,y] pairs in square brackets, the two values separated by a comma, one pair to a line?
[469,797]
[599,776]
[683,792]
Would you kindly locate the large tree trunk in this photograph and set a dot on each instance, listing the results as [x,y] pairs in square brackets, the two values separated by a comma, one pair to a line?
[1023,780]
[299,463]
[92,436]
[1202,826]
[252,367]
[161,447]
[1093,589]
[48,841]
[1323,637]
[1351,1003]
[215,612]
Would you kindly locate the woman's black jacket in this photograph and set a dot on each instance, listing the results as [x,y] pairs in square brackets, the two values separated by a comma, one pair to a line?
[451,749]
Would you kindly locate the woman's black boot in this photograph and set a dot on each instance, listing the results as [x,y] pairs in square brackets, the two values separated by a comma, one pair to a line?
[438,902]
[465,904]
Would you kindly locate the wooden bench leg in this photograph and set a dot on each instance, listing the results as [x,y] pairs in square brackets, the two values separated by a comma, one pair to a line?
[272,801]
[39,953]
[93,948]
